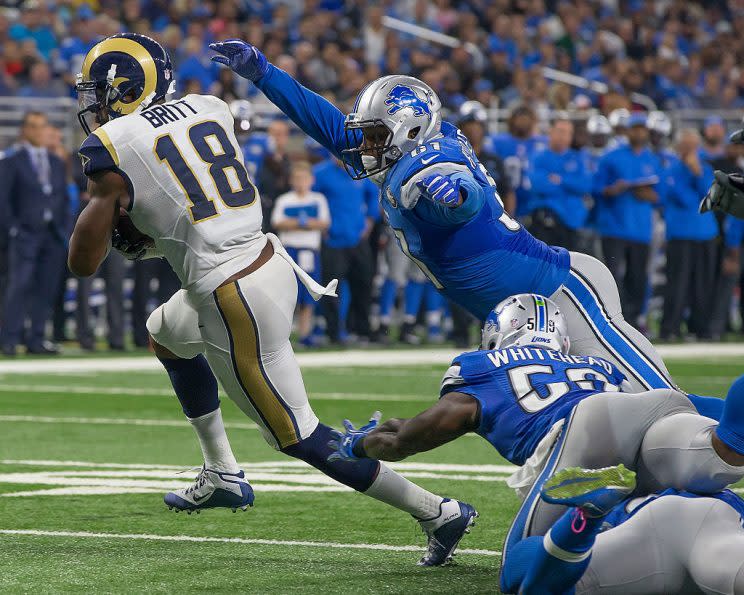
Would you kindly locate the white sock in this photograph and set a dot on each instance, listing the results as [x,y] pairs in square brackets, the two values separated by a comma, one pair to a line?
[215,446]
[396,490]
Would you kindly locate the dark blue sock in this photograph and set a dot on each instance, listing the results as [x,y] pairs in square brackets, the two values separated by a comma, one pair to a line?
[572,538]
[314,450]
[194,384]
[731,427]
[707,406]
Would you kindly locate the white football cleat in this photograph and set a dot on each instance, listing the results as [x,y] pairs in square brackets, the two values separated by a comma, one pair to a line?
[212,489]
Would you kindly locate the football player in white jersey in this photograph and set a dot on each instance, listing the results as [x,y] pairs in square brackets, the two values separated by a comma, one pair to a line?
[175,168]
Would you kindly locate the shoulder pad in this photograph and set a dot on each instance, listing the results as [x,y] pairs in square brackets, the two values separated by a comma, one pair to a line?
[97,153]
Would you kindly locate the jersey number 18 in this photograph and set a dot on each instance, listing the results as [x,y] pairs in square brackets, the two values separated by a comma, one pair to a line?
[211,143]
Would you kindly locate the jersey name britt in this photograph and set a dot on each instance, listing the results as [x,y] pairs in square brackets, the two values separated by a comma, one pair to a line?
[158,115]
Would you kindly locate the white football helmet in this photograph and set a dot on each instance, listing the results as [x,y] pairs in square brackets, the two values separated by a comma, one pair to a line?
[394,114]
[526,320]
[660,123]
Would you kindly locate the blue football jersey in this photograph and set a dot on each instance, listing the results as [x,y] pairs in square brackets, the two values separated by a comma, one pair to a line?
[523,391]
[476,254]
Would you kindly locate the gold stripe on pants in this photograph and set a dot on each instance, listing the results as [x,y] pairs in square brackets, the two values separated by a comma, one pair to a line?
[248,367]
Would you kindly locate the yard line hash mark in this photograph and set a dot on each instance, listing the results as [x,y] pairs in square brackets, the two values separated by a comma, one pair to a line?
[239,540]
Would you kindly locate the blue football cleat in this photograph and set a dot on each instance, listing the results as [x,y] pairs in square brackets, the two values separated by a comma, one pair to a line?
[445,531]
[212,489]
[595,491]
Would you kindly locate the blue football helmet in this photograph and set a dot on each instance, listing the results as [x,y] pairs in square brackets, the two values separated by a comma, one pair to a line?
[120,74]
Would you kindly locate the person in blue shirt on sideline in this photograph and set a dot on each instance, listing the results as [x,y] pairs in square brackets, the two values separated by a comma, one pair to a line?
[515,147]
[445,211]
[346,253]
[627,185]
[691,241]
[560,182]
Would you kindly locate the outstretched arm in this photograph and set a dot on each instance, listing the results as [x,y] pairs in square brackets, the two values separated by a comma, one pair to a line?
[452,416]
[316,116]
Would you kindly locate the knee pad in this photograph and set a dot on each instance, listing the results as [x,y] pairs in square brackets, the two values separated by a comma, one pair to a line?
[175,326]
[314,450]
[677,452]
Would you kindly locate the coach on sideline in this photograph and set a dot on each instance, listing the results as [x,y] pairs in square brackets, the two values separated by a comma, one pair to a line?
[560,181]
[627,185]
[34,204]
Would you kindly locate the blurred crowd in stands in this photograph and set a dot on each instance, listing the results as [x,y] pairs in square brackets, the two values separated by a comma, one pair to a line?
[592,172]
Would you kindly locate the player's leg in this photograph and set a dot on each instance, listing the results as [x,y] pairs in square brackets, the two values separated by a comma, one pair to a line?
[177,343]
[590,301]
[553,563]
[413,297]
[246,326]
[434,311]
[679,451]
[605,430]
[673,544]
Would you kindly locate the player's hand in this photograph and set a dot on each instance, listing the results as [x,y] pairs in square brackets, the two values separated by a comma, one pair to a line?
[344,442]
[440,189]
[725,194]
[131,250]
[303,220]
[241,57]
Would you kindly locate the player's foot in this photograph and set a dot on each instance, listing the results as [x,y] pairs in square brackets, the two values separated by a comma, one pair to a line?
[595,491]
[445,531]
[212,489]
[408,334]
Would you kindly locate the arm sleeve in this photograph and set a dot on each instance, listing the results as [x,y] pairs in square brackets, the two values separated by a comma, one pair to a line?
[316,116]
[98,155]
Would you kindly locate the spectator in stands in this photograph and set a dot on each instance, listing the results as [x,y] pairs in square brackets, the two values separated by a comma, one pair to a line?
[626,186]
[560,181]
[346,253]
[41,83]
[273,175]
[35,25]
[35,204]
[301,217]
[690,248]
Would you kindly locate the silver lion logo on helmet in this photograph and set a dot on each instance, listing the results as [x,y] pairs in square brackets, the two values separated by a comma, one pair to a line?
[401,97]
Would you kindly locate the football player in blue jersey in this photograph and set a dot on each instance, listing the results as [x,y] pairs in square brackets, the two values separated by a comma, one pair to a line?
[445,211]
[544,410]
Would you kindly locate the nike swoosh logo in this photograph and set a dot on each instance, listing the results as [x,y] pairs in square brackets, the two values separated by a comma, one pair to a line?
[197,498]
[429,160]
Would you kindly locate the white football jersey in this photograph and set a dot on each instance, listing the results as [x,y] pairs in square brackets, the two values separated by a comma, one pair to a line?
[189,186]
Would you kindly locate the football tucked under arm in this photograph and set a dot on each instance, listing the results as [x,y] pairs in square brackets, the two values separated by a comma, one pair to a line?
[130,241]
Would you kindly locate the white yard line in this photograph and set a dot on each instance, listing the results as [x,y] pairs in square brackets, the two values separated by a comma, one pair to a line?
[238,540]
[167,392]
[114,421]
[331,359]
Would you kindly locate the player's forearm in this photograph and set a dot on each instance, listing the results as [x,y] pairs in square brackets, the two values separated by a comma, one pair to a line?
[316,116]
[384,446]
[87,254]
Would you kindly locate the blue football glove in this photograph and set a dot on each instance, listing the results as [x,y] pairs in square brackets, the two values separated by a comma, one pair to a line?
[241,57]
[343,442]
[441,189]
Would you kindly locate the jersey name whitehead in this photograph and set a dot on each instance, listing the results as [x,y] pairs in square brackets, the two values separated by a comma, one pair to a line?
[515,354]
